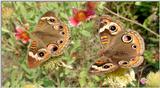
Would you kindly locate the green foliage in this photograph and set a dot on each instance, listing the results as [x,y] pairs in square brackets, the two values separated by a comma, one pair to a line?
[16,74]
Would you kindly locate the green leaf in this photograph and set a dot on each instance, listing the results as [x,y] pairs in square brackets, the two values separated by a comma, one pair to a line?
[64,15]
[82,79]
[47,82]
[77,44]
[97,78]
[5,30]
[62,84]
[138,3]
[85,33]
[149,56]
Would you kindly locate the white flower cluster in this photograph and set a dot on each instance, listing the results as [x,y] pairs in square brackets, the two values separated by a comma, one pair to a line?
[121,80]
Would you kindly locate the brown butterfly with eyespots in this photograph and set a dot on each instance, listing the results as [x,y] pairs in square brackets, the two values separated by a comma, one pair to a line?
[48,39]
[120,48]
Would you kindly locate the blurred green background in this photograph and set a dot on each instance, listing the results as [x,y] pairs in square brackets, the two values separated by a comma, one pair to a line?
[82,50]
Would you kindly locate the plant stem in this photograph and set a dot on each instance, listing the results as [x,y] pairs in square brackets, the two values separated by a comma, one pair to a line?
[132,21]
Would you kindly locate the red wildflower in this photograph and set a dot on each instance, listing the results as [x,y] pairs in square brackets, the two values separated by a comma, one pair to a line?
[82,15]
[91,5]
[22,35]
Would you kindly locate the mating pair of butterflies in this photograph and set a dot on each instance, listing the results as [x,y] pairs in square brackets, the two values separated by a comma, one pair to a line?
[121,49]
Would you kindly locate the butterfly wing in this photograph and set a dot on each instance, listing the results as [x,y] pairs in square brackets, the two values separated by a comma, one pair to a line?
[53,33]
[134,62]
[107,30]
[103,65]
[139,47]
[48,39]
[37,53]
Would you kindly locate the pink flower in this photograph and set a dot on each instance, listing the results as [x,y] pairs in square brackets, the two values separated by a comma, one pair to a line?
[73,21]
[22,35]
[143,80]
[82,15]
[90,14]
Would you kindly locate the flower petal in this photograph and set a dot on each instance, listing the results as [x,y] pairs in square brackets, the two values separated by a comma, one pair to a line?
[74,10]
[24,41]
[19,30]
[90,12]
[17,37]
[91,5]
[143,80]
[73,22]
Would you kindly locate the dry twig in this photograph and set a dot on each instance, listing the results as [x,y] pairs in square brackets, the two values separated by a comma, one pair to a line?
[131,21]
